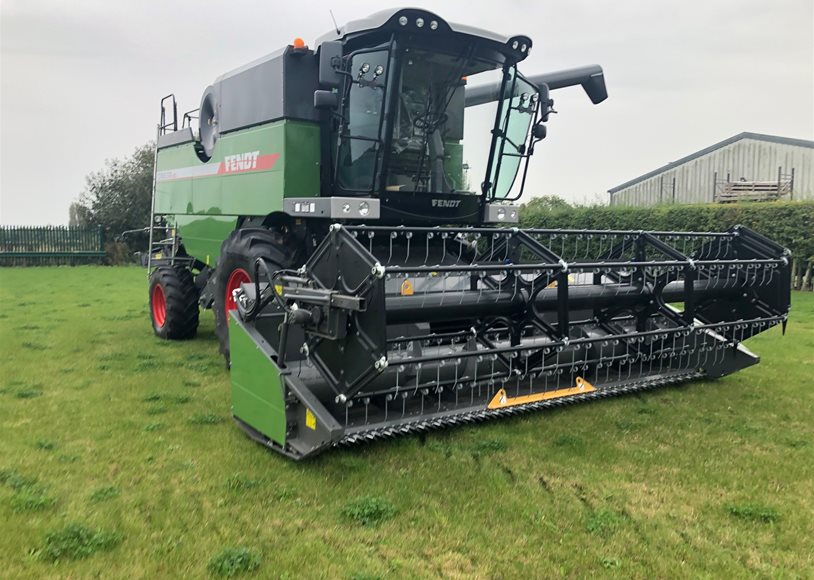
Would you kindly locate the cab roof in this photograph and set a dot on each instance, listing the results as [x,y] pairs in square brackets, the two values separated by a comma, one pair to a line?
[394,17]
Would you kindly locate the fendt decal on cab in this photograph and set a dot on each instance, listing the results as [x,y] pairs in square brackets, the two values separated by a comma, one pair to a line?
[451,203]
[238,163]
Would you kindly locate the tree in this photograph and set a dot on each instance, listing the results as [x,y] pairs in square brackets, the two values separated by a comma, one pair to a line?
[547,203]
[118,196]
[78,215]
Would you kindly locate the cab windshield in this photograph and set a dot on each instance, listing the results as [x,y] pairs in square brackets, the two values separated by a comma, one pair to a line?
[403,122]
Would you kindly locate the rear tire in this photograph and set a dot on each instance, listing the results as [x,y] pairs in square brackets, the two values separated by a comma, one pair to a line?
[173,303]
[236,265]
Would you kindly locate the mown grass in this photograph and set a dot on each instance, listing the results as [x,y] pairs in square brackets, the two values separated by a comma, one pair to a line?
[234,562]
[120,460]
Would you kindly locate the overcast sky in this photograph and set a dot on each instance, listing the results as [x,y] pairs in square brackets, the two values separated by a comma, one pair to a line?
[81,80]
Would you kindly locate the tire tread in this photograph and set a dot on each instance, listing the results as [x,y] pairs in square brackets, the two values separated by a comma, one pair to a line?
[181,298]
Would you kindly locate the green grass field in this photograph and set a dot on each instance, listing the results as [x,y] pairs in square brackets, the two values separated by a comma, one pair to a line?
[118,458]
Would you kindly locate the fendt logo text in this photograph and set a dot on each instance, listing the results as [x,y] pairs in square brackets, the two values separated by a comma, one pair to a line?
[241,161]
[446,202]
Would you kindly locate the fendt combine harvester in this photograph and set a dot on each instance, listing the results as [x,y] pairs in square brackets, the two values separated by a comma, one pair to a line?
[363,289]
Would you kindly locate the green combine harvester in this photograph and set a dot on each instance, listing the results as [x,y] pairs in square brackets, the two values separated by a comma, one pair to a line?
[367,281]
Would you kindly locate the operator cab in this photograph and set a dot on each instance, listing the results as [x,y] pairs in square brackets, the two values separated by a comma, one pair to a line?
[396,128]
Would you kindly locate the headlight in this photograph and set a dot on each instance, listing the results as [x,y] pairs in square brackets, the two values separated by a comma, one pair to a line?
[346,208]
[501,214]
[433,24]
[515,44]
[403,20]
[364,208]
[419,22]
[523,47]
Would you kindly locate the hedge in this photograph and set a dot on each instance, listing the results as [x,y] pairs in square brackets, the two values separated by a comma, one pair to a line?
[790,224]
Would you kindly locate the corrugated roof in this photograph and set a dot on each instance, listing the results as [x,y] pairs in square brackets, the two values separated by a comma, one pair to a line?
[710,149]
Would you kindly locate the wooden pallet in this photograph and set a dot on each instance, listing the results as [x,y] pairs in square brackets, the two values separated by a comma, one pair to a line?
[733,191]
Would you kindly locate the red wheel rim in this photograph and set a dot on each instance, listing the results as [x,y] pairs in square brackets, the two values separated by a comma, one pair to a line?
[238,276]
[159,305]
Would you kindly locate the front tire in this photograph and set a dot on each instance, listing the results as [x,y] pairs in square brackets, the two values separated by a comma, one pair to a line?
[173,303]
[236,266]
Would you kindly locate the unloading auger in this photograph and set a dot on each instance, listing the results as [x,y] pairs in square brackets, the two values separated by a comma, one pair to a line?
[367,281]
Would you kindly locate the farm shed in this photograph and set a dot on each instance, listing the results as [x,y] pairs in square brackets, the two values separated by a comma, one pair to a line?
[748,166]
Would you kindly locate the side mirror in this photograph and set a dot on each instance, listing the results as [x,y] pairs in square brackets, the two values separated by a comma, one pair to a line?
[326,100]
[539,131]
[545,101]
[330,61]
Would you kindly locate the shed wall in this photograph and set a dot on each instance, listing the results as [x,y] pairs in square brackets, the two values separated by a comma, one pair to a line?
[748,158]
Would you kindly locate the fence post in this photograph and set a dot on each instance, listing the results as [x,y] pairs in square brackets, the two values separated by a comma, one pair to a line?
[714,185]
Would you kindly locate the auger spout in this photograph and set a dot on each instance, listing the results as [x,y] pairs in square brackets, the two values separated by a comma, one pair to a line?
[590,77]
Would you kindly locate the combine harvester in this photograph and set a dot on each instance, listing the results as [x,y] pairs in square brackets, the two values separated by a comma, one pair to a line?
[362,289]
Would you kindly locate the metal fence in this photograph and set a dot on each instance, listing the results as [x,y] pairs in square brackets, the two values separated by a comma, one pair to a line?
[51,245]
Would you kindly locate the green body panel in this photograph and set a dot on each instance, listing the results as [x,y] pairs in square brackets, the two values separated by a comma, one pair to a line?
[195,192]
[257,388]
[203,235]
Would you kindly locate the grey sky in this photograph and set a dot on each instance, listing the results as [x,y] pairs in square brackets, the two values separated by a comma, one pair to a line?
[81,80]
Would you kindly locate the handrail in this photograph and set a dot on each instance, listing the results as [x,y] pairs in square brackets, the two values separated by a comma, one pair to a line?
[186,120]
[164,125]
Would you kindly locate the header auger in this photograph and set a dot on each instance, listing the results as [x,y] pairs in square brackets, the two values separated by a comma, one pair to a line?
[362,287]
